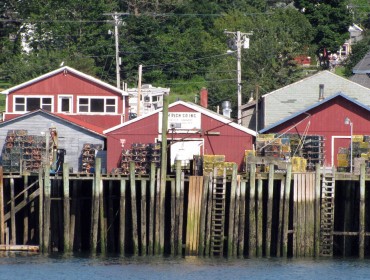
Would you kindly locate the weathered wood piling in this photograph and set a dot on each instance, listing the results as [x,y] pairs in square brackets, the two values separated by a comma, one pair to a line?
[253,214]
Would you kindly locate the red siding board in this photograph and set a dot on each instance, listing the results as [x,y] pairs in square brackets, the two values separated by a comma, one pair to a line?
[328,120]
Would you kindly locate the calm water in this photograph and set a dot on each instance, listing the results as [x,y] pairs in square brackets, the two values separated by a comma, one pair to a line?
[29,267]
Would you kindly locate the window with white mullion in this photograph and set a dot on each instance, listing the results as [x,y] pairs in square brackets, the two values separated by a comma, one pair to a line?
[96,105]
[31,103]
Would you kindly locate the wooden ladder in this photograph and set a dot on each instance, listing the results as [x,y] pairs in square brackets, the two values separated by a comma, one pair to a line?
[327,215]
[218,215]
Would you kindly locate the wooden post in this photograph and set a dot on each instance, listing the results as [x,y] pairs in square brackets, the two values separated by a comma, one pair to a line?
[47,204]
[163,172]
[157,213]
[209,214]
[143,218]
[252,212]
[177,210]
[151,207]
[288,180]
[362,221]
[95,215]
[102,216]
[13,239]
[66,209]
[237,218]
[181,216]
[259,234]
[230,238]
[242,217]
[111,228]
[2,222]
[203,214]
[73,214]
[122,216]
[26,212]
[173,214]
[270,194]
[135,245]
[317,210]
[41,210]
[279,245]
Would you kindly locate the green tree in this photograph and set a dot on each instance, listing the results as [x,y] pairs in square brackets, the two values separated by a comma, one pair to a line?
[330,19]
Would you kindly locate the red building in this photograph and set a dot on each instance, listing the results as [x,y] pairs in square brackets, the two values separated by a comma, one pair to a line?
[70,92]
[327,118]
[192,130]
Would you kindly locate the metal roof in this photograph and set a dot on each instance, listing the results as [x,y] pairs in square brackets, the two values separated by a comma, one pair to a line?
[63,69]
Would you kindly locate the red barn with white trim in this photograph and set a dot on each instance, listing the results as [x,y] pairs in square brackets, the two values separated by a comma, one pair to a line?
[191,128]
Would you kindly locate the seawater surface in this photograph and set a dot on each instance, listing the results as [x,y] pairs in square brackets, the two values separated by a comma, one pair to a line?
[35,266]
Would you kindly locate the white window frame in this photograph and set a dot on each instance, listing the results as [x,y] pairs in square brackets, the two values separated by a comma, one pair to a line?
[32,96]
[63,96]
[88,112]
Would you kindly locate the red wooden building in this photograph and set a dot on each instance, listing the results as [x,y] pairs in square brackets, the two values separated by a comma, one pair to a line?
[192,130]
[327,118]
[71,92]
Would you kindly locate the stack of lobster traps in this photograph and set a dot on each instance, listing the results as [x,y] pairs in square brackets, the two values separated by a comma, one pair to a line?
[89,152]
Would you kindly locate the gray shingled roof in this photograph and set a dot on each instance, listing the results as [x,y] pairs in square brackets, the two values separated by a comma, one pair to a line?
[362,79]
[293,98]
[363,66]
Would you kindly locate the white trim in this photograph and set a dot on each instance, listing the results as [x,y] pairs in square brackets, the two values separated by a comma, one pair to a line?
[332,146]
[70,97]
[89,105]
[66,69]
[6,104]
[32,96]
[195,108]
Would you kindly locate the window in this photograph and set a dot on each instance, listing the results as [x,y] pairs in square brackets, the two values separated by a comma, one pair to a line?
[26,104]
[65,104]
[96,105]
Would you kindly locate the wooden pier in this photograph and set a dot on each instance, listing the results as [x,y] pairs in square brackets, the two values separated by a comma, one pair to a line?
[255,214]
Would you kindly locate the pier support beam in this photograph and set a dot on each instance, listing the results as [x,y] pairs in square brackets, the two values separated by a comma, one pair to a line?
[361,238]
[66,209]
[47,204]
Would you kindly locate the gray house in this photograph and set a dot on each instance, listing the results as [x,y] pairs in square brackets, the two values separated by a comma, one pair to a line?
[281,103]
[361,72]
[71,135]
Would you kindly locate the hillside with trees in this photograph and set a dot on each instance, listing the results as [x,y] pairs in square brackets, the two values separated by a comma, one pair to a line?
[180,44]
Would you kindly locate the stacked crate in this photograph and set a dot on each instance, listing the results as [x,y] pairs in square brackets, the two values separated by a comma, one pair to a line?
[143,155]
[23,149]
[343,159]
[89,152]
[314,150]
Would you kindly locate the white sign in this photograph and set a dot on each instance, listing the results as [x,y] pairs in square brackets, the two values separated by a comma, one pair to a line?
[182,121]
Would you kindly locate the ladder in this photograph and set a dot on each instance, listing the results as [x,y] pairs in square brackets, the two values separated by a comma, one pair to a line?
[327,215]
[218,215]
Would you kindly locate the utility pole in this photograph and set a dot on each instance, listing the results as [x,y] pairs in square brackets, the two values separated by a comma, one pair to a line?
[116,16]
[239,39]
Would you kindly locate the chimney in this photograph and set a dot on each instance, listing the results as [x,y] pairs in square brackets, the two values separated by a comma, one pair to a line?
[226,108]
[321,92]
[204,97]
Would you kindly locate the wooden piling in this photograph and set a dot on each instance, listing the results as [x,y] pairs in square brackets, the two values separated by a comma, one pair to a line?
[288,180]
[181,216]
[26,212]
[361,237]
[252,212]
[230,238]
[157,214]
[237,216]
[151,207]
[13,238]
[102,215]
[259,234]
[143,219]
[270,193]
[281,219]
[74,211]
[41,210]
[135,245]
[242,218]
[2,220]
[122,216]
[209,215]
[94,216]
[173,216]
[47,204]
[317,210]
[203,215]
[111,217]
[178,247]
[66,209]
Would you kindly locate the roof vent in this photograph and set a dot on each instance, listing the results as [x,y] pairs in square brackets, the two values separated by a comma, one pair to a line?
[226,108]
[321,92]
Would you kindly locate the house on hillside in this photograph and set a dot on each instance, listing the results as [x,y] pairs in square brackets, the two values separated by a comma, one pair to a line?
[284,102]
[326,118]
[151,99]
[192,130]
[72,93]
[361,72]
[23,137]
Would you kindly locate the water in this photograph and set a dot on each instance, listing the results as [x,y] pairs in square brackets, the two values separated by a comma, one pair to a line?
[20,266]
